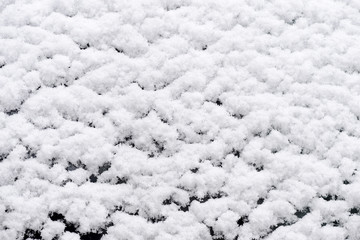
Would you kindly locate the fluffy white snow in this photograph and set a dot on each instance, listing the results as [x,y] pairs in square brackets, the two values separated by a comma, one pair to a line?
[180,119]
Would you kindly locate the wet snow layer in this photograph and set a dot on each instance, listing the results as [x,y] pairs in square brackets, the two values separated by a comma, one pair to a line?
[179,119]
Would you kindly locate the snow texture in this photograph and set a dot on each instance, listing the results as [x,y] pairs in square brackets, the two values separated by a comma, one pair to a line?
[180,119]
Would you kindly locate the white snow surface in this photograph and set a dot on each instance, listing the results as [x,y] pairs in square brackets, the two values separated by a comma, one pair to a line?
[180,119]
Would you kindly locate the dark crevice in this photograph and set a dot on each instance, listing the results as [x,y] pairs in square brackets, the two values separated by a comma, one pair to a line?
[242,220]
[126,140]
[330,197]
[346,182]
[30,152]
[54,216]
[236,153]
[93,178]
[274,227]
[92,235]
[260,201]
[159,146]
[3,156]
[83,47]
[218,102]
[204,199]
[106,166]
[121,180]
[237,116]
[258,167]
[71,166]
[157,219]
[354,211]
[32,234]
[335,223]
[73,228]
[302,213]
[119,50]
[215,235]
[12,112]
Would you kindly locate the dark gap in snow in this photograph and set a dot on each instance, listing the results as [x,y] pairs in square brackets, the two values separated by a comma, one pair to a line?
[52,161]
[127,139]
[2,64]
[3,156]
[92,236]
[237,116]
[54,216]
[242,220]
[346,182]
[274,227]
[119,50]
[121,180]
[157,219]
[184,208]
[12,112]
[70,227]
[93,178]
[354,210]
[200,132]
[63,183]
[105,111]
[30,152]
[218,102]
[215,235]
[302,213]
[335,223]
[163,120]
[260,201]
[160,147]
[194,170]
[204,47]
[207,197]
[83,47]
[32,234]
[8,209]
[330,197]
[136,213]
[293,21]
[72,167]
[258,167]
[167,201]
[273,151]
[106,166]
[236,153]
[169,8]
[118,208]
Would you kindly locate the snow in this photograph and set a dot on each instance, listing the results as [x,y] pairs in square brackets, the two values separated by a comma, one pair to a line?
[179,119]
